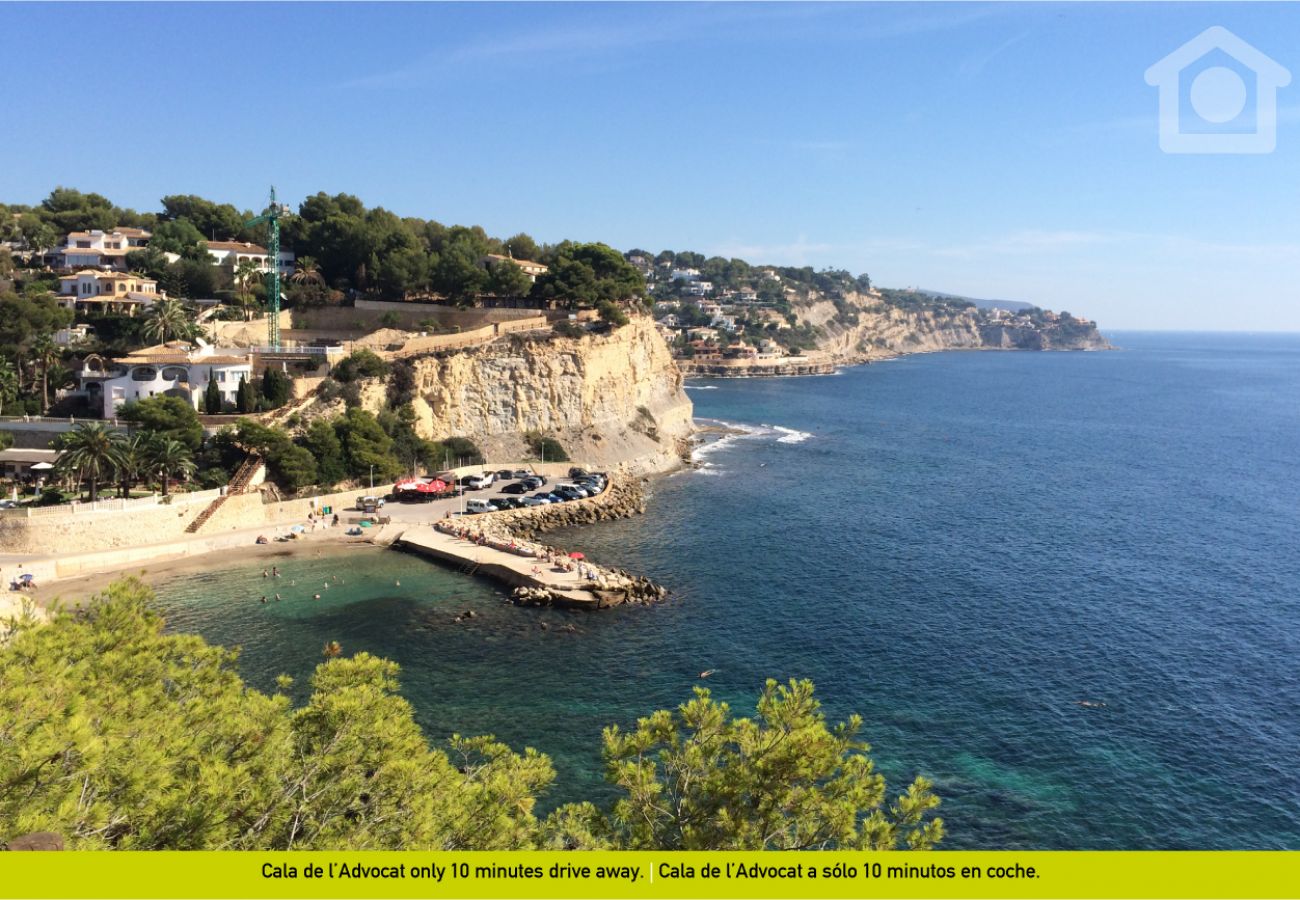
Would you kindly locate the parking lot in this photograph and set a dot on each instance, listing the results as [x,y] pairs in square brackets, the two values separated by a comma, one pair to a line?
[430,511]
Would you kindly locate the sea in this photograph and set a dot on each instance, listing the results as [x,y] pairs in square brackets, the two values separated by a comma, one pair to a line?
[1063,586]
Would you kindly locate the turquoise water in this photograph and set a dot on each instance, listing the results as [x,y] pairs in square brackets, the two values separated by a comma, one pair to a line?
[961,547]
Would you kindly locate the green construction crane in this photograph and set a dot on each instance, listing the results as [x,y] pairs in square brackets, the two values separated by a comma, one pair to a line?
[272,215]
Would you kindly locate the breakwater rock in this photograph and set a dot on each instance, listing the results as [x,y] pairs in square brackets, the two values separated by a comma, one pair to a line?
[623,499]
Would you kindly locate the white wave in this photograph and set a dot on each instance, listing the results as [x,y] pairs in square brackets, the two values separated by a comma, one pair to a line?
[700,387]
[790,435]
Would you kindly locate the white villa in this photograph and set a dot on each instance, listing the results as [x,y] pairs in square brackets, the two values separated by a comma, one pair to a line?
[230,254]
[176,369]
[100,249]
[91,290]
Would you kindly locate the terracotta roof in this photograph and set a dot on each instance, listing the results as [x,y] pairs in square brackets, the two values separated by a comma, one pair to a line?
[237,246]
[519,262]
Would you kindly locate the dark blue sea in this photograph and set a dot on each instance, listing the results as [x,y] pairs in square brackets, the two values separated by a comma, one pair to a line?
[962,547]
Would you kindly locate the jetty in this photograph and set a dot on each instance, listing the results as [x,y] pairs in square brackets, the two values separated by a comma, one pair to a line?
[500,546]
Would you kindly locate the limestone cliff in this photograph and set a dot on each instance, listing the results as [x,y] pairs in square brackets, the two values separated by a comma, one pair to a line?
[864,326]
[613,399]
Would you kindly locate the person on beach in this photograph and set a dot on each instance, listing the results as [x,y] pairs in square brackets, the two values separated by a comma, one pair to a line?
[336,519]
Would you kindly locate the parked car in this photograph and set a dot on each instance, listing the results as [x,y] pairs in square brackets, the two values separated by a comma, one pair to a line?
[541,478]
[536,501]
[504,474]
[479,482]
[576,471]
[517,487]
[521,473]
[569,493]
[369,503]
[500,502]
[479,506]
[546,497]
[531,484]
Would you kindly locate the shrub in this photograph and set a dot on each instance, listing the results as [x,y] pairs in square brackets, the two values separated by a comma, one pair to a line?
[360,364]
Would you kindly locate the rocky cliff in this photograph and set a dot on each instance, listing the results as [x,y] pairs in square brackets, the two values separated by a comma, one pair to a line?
[612,399]
[864,326]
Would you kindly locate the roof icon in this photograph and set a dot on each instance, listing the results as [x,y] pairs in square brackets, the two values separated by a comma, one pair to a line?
[1220,89]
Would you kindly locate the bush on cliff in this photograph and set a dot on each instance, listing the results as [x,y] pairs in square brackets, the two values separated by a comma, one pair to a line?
[116,735]
[359,364]
[544,447]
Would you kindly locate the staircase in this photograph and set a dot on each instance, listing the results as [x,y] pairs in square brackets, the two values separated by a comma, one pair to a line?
[238,485]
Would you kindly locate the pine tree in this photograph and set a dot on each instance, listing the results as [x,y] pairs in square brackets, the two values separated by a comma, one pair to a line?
[245,397]
[212,396]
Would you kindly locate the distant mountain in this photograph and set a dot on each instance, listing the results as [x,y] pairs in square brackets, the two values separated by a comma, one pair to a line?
[1010,305]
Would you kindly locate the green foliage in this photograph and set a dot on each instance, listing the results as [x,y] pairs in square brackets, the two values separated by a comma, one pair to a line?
[700,779]
[544,447]
[569,329]
[506,279]
[168,417]
[409,449]
[359,364]
[290,466]
[586,274]
[366,444]
[168,320]
[168,459]
[245,396]
[91,453]
[225,766]
[456,451]
[212,402]
[322,442]
[117,735]
[276,387]
[612,313]
[182,237]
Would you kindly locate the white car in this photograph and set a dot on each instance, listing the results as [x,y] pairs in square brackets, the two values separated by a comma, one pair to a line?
[479,506]
[536,501]
[480,482]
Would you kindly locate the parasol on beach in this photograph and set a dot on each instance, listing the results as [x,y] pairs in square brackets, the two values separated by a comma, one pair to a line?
[430,487]
[409,484]
[298,529]
[576,555]
[27,576]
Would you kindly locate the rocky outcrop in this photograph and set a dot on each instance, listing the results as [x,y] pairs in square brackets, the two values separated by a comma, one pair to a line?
[614,400]
[862,327]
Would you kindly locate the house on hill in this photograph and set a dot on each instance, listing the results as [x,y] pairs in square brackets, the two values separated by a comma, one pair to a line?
[107,292]
[175,369]
[98,249]
[229,254]
[531,269]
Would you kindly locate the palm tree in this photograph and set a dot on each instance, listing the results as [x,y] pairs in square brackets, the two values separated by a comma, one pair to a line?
[91,452]
[307,272]
[44,352]
[8,383]
[133,463]
[169,457]
[245,274]
[168,319]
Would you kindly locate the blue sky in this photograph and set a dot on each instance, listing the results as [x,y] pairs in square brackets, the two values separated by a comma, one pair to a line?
[994,150]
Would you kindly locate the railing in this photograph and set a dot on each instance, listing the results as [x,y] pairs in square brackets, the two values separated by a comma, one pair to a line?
[113,504]
[267,349]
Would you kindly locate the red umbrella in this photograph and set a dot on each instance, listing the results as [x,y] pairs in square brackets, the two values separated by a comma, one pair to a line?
[576,555]
[431,487]
[408,485]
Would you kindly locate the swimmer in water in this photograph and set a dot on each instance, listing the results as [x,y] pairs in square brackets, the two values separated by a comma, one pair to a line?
[277,596]
[707,672]
[265,574]
[275,571]
[264,598]
[316,597]
[1092,704]
[398,583]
